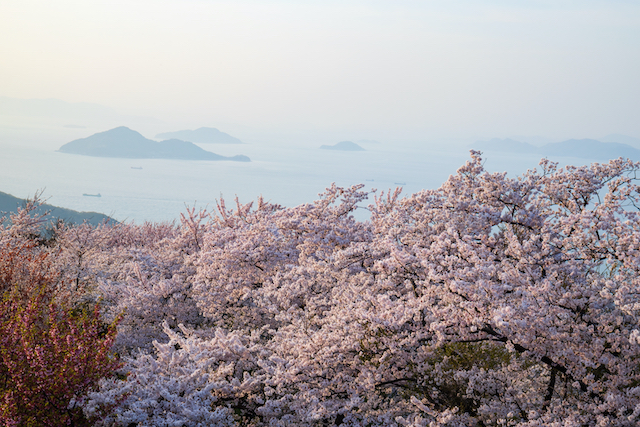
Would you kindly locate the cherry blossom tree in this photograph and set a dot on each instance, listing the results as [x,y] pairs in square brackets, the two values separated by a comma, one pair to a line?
[191,381]
[510,301]
[491,300]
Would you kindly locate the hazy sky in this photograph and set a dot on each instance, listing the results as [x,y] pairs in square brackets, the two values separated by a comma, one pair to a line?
[413,69]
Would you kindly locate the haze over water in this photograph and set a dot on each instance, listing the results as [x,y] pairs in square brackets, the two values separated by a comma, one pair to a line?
[425,79]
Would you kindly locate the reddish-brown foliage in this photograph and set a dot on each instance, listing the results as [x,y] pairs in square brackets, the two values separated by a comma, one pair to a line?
[50,357]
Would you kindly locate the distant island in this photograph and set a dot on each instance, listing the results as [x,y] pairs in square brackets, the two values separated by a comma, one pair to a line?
[9,204]
[623,139]
[343,146]
[591,148]
[582,148]
[123,142]
[506,146]
[201,136]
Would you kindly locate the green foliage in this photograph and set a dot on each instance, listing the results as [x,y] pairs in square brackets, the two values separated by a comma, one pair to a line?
[467,355]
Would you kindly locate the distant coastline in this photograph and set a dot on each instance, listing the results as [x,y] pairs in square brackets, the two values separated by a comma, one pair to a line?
[9,204]
[580,148]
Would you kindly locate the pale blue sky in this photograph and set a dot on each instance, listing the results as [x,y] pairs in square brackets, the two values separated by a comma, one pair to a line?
[383,69]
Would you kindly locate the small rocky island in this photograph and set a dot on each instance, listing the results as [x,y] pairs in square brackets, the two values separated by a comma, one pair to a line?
[123,142]
[343,146]
[201,136]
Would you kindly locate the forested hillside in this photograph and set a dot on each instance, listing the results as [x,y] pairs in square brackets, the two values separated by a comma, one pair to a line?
[491,301]
[10,204]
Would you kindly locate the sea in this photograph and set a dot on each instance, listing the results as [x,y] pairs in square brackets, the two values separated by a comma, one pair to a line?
[139,190]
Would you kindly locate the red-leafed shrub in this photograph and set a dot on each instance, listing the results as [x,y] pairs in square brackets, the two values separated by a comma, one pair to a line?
[53,350]
[50,356]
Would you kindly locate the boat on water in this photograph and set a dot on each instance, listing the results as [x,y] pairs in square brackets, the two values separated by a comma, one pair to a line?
[92,195]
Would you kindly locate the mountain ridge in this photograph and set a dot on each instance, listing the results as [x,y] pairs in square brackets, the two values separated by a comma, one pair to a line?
[343,146]
[203,135]
[581,148]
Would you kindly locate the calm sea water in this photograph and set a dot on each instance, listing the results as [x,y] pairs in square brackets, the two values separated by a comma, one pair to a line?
[281,174]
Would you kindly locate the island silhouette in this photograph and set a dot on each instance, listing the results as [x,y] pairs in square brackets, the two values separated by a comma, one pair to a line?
[126,143]
[343,146]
